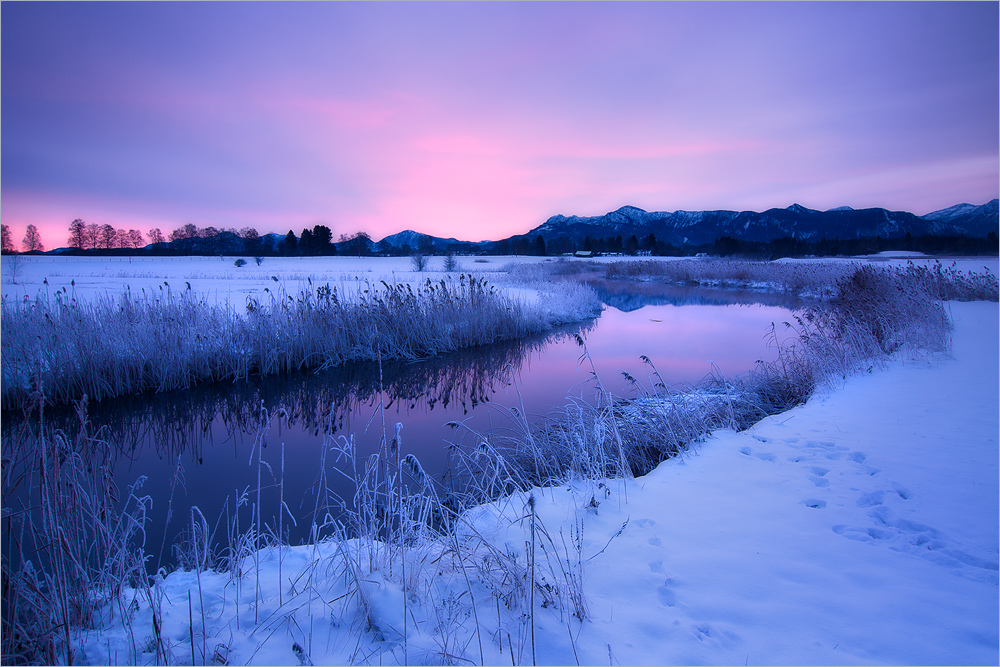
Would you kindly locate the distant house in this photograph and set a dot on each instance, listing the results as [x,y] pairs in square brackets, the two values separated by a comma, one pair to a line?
[584,253]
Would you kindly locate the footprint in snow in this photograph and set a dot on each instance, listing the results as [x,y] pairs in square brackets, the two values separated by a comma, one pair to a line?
[921,540]
[871,499]
[763,456]
[815,503]
[667,597]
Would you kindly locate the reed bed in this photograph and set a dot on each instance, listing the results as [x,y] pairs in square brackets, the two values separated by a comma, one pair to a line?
[108,347]
[816,279]
[804,278]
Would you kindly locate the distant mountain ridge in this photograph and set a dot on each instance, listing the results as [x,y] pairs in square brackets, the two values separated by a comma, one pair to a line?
[796,221]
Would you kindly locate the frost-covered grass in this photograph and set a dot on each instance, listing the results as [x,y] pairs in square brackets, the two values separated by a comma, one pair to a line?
[815,278]
[594,567]
[64,349]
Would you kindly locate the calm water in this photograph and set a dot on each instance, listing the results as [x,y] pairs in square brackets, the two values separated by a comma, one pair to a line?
[198,447]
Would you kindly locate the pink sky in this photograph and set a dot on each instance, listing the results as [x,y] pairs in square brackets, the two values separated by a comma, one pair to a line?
[481,120]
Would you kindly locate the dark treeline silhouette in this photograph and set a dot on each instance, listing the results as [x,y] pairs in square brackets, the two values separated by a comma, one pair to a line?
[789,247]
[93,239]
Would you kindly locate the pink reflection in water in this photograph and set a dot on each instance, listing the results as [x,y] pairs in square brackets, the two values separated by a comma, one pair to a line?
[683,342]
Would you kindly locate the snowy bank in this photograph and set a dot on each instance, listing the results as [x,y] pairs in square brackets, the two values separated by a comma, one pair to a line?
[859,528]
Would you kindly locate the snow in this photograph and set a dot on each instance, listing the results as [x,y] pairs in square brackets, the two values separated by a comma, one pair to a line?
[218,280]
[951,212]
[860,528]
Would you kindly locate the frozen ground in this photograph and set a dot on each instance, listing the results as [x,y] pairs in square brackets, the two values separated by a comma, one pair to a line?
[218,280]
[860,528]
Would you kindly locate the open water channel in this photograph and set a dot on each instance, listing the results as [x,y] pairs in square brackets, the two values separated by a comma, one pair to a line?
[198,447]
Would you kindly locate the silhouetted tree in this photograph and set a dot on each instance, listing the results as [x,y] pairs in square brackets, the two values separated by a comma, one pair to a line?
[539,246]
[306,245]
[290,245]
[155,235]
[649,243]
[93,235]
[726,246]
[356,244]
[188,231]
[251,240]
[107,238]
[321,239]
[6,243]
[632,245]
[78,234]
[32,240]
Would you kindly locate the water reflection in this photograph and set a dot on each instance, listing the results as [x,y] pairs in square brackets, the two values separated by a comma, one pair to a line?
[199,447]
[181,421]
[630,295]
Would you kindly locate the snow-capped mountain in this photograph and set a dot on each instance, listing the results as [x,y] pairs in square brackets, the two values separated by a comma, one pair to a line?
[797,221]
[414,240]
[978,220]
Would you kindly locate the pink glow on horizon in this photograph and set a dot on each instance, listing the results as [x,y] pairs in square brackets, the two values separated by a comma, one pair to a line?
[481,120]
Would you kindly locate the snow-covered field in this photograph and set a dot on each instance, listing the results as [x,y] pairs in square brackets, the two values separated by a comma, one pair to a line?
[218,280]
[860,528]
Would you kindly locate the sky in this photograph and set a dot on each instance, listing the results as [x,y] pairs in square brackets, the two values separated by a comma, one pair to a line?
[480,120]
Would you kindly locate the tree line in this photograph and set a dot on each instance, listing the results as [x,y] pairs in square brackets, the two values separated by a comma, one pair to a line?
[318,241]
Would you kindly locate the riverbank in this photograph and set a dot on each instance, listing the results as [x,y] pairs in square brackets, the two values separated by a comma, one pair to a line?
[859,528]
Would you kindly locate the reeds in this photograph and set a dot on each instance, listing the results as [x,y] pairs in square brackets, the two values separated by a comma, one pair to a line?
[169,340]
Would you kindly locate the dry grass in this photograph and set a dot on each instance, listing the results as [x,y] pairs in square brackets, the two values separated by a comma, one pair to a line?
[114,347]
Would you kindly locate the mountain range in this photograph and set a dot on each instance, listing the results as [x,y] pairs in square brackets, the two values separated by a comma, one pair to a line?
[703,227]
[681,229]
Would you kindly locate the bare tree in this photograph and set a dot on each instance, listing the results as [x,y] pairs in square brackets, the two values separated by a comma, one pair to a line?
[107,237]
[188,231]
[6,244]
[356,244]
[78,234]
[93,235]
[12,266]
[155,235]
[135,238]
[32,240]
[252,242]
